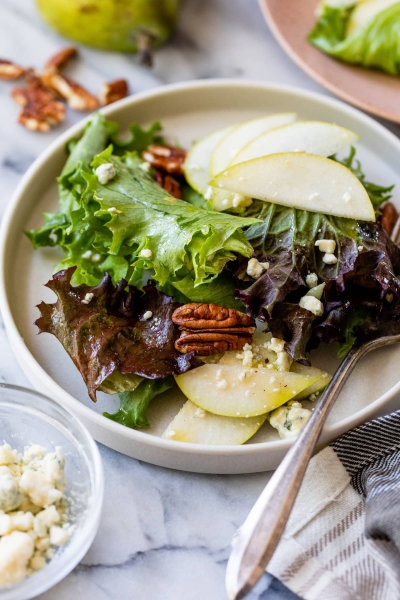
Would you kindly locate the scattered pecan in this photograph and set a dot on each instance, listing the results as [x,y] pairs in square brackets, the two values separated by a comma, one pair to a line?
[171,185]
[165,158]
[9,70]
[210,329]
[389,217]
[112,91]
[40,110]
[77,97]
[59,60]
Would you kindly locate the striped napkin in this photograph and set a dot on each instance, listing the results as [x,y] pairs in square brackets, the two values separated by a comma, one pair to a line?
[342,541]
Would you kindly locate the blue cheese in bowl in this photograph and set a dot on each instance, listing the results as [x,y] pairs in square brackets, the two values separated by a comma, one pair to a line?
[33,510]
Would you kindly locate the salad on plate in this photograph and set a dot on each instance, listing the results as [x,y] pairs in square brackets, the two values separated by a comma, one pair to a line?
[216,270]
[361,32]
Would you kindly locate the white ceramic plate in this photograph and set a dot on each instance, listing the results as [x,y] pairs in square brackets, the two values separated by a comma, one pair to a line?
[187,111]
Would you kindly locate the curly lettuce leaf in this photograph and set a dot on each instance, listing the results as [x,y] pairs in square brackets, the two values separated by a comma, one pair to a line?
[133,405]
[104,330]
[104,228]
[133,213]
[376,44]
[65,228]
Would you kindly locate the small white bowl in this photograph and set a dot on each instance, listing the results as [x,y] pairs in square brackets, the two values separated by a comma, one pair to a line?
[27,417]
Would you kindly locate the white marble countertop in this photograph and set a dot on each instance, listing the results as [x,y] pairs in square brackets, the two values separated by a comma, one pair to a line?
[164,534]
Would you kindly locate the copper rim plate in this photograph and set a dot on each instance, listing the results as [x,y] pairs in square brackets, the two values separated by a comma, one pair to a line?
[374,91]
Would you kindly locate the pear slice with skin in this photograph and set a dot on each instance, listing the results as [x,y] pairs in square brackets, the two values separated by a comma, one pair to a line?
[194,425]
[223,390]
[365,12]
[317,387]
[313,137]
[241,135]
[300,180]
[197,164]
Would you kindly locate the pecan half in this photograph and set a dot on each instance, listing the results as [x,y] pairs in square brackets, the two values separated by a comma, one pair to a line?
[165,158]
[171,185]
[77,97]
[59,60]
[9,70]
[112,91]
[40,110]
[210,316]
[208,343]
[211,329]
[389,217]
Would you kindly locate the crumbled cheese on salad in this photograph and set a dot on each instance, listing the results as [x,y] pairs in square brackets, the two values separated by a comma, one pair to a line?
[312,304]
[329,259]
[289,420]
[33,510]
[105,173]
[255,268]
[328,246]
[275,345]
[283,361]
[312,280]
[146,253]
[88,298]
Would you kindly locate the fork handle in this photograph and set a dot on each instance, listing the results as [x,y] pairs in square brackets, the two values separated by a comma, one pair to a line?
[256,540]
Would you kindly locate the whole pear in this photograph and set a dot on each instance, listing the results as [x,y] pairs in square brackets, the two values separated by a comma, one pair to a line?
[121,25]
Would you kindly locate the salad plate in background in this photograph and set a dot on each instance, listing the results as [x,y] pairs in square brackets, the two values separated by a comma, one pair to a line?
[187,112]
[373,90]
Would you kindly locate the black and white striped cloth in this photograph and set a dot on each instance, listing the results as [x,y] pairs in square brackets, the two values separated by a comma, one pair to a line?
[342,540]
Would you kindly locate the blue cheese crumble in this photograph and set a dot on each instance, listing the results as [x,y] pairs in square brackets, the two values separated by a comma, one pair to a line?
[290,419]
[33,510]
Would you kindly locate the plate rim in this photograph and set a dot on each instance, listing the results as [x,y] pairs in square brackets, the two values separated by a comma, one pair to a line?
[303,64]
[26,358]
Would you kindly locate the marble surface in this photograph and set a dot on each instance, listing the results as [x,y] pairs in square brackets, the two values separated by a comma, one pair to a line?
[164,534]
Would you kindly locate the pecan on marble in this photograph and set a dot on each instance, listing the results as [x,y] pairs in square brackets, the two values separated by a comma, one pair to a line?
[59,60]
[112,91]
[76,96]
[211,329]
[9,70]
[40,110]
[165,158]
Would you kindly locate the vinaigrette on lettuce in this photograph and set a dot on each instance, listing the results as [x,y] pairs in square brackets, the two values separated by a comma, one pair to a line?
[376,44]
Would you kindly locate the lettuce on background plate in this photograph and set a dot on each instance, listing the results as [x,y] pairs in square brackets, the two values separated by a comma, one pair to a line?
[375,44]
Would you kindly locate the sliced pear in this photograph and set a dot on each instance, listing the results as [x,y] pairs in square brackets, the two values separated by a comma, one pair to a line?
[222,200]
[365,12]
[317,387]
[300,180]
[194,425]
[197,163]
[313,137]
[223,390]
[241,135]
